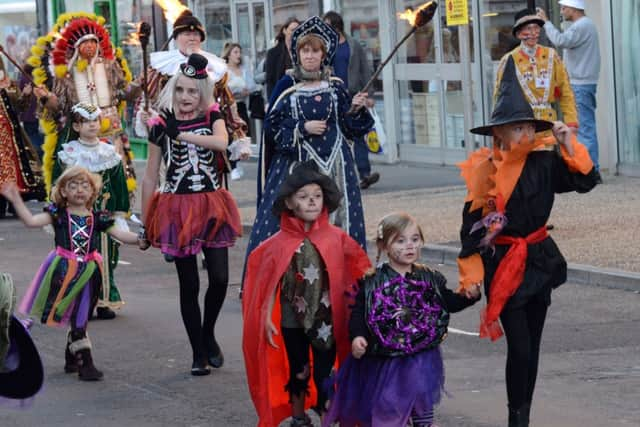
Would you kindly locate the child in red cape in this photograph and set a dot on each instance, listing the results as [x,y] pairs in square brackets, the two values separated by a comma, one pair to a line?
[296,297]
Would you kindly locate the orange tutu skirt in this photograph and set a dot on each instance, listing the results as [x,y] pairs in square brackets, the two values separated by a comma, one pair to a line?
[182,224]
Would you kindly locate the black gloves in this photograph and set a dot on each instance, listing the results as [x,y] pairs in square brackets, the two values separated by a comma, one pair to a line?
[171,124]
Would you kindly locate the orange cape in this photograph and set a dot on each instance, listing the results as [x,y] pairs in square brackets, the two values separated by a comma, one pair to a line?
[267,367]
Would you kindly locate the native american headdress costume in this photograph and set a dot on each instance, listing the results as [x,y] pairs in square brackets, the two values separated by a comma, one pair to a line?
[98,80]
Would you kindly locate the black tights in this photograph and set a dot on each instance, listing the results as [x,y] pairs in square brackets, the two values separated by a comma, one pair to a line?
[523,330]
[201,331]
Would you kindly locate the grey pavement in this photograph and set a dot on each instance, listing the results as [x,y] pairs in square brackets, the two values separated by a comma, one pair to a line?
[598,232]
[589,374]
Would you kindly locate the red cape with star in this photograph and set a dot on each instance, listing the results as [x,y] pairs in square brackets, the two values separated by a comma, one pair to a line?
[267,367]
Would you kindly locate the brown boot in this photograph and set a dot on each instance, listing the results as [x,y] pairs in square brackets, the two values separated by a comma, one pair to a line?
[82,351]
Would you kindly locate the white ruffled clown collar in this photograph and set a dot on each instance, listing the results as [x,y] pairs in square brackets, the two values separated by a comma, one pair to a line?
[168,63]
[96,158]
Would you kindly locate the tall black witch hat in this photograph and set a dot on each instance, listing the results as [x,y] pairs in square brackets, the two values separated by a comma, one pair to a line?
[511,105]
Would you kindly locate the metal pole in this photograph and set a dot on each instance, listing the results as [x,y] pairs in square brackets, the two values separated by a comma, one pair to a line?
[467,87]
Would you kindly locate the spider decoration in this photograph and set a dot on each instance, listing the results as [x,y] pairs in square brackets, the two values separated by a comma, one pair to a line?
[405,315]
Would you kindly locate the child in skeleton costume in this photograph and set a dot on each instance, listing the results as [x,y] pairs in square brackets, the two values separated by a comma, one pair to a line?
[191,213]
[65,287]
[77,63]
[395,372]
[98,156]
[19,160]
[308,121]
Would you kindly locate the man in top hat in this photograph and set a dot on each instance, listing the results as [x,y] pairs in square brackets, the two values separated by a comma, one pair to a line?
[539,71]
[505,244]
[189,34]
[582,57]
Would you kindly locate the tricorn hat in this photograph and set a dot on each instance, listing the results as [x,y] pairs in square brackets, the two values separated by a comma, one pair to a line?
[511,105]
[524,17]
[303,174]
[195,67]
[21,372]
[187,22]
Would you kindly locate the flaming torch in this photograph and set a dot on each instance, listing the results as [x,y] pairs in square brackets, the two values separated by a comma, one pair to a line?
[144,31]
[171,9]
[417,18]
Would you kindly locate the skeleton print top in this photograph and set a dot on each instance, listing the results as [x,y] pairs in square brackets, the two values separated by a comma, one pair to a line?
[190,168]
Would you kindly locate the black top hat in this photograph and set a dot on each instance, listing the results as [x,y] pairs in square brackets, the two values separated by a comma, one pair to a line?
[195,67]
[302,174]
[21,372]
[524,17]
[511,105]
[187,22]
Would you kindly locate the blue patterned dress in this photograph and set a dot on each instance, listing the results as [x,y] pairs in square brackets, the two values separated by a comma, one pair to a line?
[287,142]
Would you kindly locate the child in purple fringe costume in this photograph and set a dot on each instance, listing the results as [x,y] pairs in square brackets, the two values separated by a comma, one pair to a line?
[400,317]
[68,282]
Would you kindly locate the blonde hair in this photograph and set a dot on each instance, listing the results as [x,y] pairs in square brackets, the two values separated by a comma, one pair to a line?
[226,51]
[204,86]
[390,226]
[70,174]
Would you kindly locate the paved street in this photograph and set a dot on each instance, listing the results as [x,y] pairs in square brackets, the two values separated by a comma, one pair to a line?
[589,376]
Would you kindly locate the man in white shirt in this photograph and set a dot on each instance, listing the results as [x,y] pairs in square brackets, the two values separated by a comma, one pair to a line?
[581,56]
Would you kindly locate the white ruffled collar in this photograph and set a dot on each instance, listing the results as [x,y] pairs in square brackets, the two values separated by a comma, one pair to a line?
[96,158]
[168,62]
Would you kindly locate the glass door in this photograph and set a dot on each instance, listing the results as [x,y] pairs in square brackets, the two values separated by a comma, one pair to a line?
[250,30]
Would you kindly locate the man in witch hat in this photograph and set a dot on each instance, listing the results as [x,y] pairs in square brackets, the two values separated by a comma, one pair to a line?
[539,71]
[21,372]
[505,245]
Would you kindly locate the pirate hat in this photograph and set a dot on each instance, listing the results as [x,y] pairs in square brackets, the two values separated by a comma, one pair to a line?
[524,17]
[302,174]
[21,372]
[511,105]
[187,22]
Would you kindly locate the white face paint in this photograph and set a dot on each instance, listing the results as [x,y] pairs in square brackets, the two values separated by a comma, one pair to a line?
[187,96]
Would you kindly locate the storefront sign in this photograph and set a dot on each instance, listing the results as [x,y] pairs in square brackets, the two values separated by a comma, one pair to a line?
[457,12]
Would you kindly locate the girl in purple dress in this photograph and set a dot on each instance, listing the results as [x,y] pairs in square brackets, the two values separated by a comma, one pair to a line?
[399,319]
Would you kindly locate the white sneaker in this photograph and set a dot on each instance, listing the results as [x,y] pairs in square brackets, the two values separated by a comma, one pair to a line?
[237,173]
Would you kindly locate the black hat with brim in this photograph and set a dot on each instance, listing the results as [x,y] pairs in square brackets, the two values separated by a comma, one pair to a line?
[25,379]
[511,105]
[524,17]
[187,22]
[303,174]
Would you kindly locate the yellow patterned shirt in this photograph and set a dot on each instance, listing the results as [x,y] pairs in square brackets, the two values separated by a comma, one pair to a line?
[544,80]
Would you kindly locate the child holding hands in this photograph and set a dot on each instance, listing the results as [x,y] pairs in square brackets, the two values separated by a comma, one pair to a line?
[294,300]
[397,324]
[69,280]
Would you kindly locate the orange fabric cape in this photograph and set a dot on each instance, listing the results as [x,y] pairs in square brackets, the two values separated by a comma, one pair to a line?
[267,368]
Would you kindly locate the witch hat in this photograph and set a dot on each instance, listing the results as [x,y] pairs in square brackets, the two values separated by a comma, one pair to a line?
[511,105]
[21,372]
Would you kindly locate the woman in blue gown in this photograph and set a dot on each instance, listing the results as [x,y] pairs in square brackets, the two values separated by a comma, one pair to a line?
[308,120]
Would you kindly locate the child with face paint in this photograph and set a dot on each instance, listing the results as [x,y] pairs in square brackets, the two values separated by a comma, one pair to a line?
[397,324]
[294,301]
[66,286]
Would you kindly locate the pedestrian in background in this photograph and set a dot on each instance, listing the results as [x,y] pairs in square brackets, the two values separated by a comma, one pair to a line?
[279,57]
[581,56]
[350,64]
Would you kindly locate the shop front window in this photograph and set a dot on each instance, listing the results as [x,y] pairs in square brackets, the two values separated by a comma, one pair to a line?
[217,20]
[626,43]
[17,33]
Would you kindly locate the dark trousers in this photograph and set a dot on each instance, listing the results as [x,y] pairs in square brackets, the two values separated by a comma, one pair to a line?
[361,156]
[523,330]
[297,346]
[201,330]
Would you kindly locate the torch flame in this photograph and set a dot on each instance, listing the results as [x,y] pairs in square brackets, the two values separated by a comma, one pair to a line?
[171,8]
[411,15]
[133,39]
